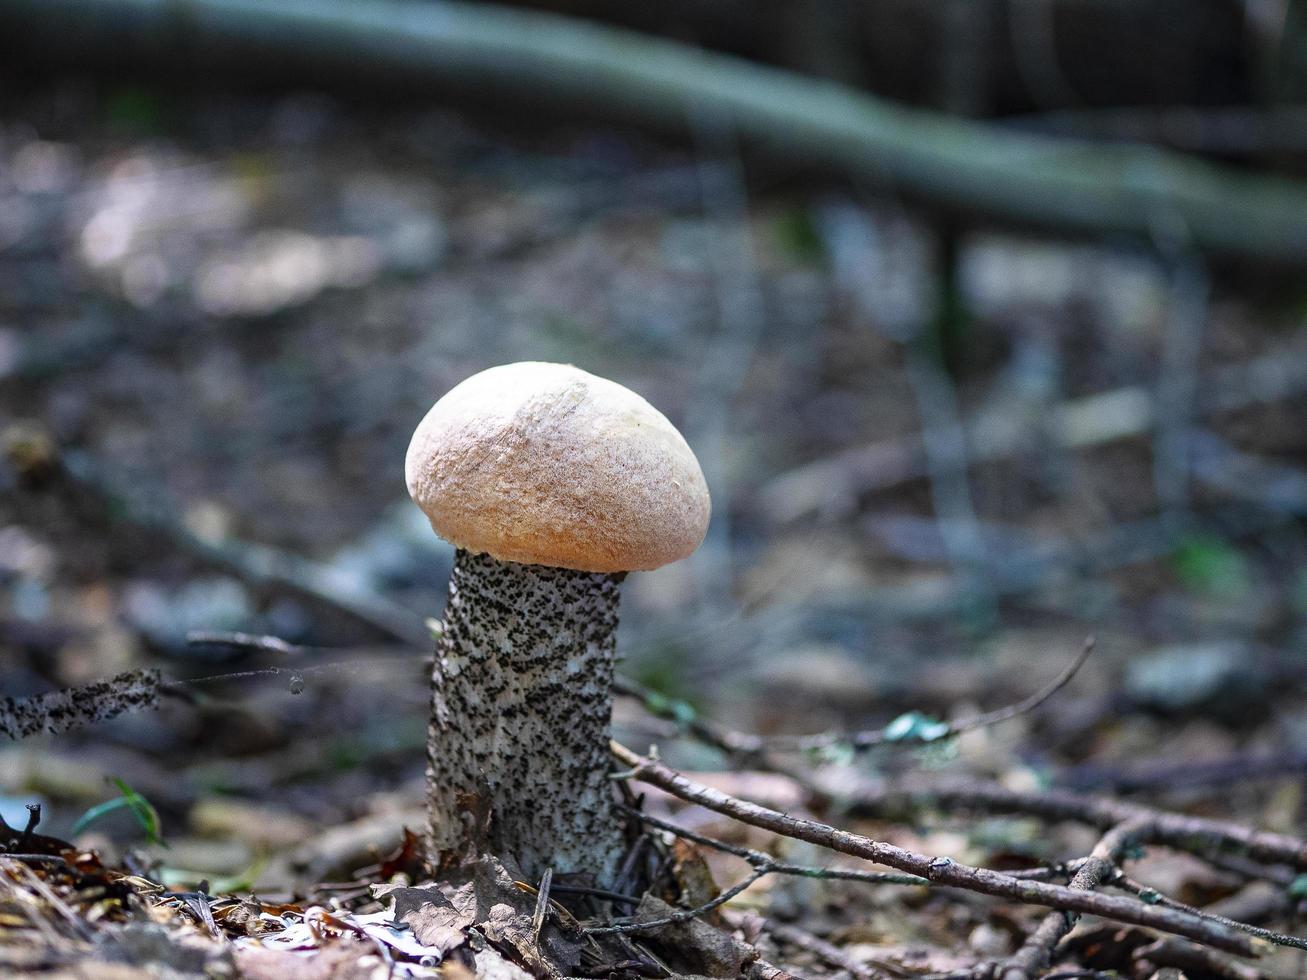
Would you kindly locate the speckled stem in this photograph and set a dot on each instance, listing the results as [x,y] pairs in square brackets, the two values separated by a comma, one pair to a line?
[521,714]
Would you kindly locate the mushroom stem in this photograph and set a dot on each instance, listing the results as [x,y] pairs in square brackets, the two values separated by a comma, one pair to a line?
[518,747]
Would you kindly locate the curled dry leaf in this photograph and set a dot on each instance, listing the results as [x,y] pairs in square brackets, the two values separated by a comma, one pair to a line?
[439,915]
[484,896]
[695,945]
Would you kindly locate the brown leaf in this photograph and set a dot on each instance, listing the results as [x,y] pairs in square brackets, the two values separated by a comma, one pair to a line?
[485,895]
[508,921]
[439,915]
[696,945]
[693,875]
[406,859]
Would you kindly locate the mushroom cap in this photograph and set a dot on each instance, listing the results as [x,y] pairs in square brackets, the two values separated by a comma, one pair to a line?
[546,464]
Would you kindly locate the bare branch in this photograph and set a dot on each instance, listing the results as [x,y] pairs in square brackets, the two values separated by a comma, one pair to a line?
[1197,835]
[868,739]
[75,707]
[769,865]
[1170,951]
[255,563]
[1153,895]
[832,485]
[940,871]
[832,954]
[647,925]
[754,746]
[1037,952]
[963,164]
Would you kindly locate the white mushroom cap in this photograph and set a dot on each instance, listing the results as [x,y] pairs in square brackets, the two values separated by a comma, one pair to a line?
[545,464]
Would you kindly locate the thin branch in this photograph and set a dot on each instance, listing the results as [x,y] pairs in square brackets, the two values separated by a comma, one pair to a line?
[1037,951]
[74,707]
[1238,767]
[868,739]
[256,563]
[244,642]
[685,716]
[1197,835]
[802,939]
[1152,895]
[1173,952]
[833,485]
[685,915]
[761,864]
[940,871]
[962,164]
[769,865]
[752,746]
[1227,131]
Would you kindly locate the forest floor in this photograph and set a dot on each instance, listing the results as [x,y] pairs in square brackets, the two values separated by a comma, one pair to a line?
[222,314]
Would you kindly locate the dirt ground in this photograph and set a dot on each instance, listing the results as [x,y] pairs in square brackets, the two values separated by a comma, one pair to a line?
[225,312]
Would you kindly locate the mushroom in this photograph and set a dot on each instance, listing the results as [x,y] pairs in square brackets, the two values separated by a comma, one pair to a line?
[552,484]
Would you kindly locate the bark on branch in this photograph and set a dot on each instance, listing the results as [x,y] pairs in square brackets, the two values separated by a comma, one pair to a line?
[939,871]
[1197,835]
[1059,183]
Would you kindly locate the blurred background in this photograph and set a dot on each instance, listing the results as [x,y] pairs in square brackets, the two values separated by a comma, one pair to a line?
[1001,346]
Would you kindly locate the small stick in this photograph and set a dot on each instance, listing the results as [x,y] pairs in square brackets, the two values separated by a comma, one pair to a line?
[769,865]
[794,936]
[939,870]
[45,891]
[242,642]
[1135,888]
[755,746]
[1169,951]
[1195,835]
[685,915]
[542,904]
[74,707]
[867,739]
[1037,952]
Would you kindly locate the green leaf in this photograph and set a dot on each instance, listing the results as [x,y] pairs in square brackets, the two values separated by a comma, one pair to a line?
[1208,564]
[1298,887]
[680,711]
[141,808]
[913,726]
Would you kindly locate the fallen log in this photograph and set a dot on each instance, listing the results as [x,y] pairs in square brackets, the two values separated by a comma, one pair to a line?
[1062,184]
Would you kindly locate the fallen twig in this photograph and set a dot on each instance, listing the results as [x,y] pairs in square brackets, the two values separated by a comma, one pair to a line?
[940,871]
[1170,951]
[683,915]
[1225,130]
[743,744]
[253,562]
[1189,774]
[1037,952]
[769,865]
[1196,835]
[1127,883]
[879,736]
[831,486]
[74,707]
[963,164]
[832,954]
